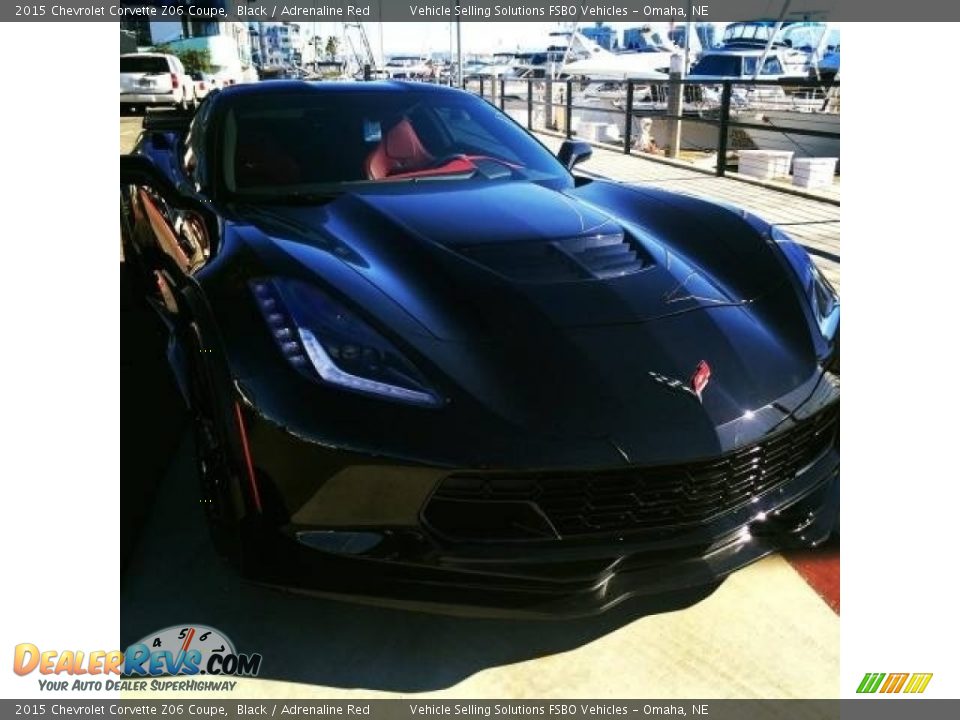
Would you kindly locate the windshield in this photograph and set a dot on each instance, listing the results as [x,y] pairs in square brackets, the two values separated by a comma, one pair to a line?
[750,31]
[719,66]
[322,142]
[804,36]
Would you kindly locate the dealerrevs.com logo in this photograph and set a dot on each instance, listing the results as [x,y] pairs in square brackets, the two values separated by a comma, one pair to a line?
[179,650]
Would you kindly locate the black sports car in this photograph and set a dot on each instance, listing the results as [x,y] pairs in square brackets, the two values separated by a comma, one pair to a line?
[428,364]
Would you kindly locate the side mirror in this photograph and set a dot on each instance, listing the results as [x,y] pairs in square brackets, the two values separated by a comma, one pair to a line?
[573,152]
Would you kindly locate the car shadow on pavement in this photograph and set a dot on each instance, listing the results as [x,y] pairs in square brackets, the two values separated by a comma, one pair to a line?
[176,577]
[153,410]
[172,574]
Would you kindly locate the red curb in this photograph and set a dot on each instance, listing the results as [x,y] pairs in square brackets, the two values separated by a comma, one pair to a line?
[820,568]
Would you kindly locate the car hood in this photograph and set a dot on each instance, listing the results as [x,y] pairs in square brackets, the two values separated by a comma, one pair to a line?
[486,287]
[488,260]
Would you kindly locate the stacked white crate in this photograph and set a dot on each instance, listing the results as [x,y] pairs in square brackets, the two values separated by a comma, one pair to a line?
[814,172]
[597,131]
[765,164]
[589,131]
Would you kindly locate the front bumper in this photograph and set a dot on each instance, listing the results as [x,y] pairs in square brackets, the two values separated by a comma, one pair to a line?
[353,526]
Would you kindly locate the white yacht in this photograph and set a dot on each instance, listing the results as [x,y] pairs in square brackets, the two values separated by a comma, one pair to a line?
[769,51]
[648,58]
[408,67]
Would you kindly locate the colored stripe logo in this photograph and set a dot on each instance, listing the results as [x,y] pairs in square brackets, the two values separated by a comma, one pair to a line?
[894,682]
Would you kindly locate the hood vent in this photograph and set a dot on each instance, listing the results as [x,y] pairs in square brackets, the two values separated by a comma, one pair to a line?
[591,257]
[604,256]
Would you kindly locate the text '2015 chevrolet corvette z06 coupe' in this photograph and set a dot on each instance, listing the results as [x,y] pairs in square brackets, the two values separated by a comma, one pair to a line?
[429,364]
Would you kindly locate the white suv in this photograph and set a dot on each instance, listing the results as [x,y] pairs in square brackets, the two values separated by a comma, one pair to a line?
[203,84]
[154,79]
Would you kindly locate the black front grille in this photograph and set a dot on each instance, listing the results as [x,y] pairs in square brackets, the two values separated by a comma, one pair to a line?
[533,505]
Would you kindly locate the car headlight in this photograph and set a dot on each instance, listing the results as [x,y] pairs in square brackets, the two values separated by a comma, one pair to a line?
[326,342]
[818,290]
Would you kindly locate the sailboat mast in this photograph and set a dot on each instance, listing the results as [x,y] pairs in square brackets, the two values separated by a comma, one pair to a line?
[459,51]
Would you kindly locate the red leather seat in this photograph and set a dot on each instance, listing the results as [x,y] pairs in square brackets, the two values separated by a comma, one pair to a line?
[399,151]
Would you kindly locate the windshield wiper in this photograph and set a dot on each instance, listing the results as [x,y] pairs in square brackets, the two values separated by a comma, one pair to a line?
[453,175]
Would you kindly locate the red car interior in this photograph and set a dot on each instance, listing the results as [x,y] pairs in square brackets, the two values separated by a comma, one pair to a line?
[399,151]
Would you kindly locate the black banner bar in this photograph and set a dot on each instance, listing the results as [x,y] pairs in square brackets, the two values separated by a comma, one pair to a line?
[868,709]
[629,11]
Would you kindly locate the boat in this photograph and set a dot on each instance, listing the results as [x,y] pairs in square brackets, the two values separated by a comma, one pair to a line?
[776,120]
[649,60]
[611,90]
[829,66]
[565,47]
[648,50]
[766,51]
[408,67]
